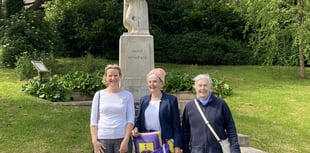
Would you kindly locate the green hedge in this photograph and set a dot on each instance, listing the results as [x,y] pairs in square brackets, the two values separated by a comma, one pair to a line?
[60,88]
[203,49]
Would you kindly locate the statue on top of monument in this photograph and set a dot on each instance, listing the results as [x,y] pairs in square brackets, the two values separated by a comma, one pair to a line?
[135,16]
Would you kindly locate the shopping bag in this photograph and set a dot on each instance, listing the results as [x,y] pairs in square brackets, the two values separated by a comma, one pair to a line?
[147,142]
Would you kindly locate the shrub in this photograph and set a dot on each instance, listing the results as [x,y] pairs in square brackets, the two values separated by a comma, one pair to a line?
[220,88]
[11,7]
[84,83]
[25,69]
[60,88]
[27,32]
[175,82]
[51,89]
[91,65]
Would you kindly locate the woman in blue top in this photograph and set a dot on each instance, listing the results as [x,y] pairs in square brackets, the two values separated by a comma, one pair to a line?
[197,137]
[159,111]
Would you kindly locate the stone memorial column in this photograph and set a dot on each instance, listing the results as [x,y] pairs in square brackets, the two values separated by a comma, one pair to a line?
[136,48]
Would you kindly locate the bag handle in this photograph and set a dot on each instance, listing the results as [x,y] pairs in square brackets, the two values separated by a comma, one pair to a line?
[98,106]
[206,121]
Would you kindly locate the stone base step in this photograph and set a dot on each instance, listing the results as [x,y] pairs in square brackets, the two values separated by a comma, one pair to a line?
[250,150]
[244,140]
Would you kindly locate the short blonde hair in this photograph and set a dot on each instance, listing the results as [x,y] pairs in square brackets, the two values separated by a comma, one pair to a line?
[110,66]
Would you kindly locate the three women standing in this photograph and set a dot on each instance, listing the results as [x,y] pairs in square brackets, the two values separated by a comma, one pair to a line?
[112,116]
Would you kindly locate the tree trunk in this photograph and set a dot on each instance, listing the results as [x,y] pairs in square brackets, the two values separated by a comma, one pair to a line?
[302,73]
[0,8]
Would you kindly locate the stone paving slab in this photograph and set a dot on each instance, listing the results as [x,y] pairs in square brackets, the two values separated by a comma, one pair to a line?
[244,140]
[250,150]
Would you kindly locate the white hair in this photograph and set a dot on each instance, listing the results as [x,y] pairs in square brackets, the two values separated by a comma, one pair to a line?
[203,77]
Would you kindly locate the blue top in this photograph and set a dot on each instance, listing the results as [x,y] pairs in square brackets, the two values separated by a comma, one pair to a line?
[196,135]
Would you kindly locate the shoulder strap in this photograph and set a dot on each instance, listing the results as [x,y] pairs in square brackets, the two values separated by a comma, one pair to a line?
[206,121]
[98,105]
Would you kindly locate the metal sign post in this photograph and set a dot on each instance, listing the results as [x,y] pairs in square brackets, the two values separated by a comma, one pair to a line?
[41,68]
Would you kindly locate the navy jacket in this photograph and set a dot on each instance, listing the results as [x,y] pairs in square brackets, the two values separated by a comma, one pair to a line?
[169,118]
[197,138]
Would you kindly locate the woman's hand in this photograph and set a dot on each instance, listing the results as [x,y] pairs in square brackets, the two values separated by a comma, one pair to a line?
[177,150]
[135,132]
[98,147]
[124,147]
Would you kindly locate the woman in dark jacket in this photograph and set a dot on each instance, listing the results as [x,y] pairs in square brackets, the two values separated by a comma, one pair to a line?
[197,137]
[159,111]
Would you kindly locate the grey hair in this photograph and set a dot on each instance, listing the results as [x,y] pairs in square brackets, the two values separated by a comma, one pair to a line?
[203,77]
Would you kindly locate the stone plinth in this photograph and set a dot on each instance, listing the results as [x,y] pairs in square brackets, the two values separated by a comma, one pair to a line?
[136,58]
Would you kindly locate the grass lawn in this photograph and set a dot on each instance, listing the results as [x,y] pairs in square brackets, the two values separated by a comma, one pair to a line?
[270,104]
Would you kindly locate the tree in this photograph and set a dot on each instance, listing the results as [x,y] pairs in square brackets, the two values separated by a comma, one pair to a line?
[278,30]
[13,6]
[301,37]
[87,26]
[1,9]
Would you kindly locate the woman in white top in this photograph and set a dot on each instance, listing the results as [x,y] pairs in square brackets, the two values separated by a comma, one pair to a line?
[112,115]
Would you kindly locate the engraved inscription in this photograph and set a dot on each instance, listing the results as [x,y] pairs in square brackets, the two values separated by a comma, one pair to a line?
[137,57]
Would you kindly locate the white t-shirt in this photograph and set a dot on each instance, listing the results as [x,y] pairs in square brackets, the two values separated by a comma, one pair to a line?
[115,111]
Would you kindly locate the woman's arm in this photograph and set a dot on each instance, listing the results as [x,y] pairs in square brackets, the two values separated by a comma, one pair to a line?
[127,137]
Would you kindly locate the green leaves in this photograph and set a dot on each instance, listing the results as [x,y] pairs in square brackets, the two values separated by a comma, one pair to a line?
[51,89]
[27,32]
[175,82]
[275,32]
[60,88]
[84,83]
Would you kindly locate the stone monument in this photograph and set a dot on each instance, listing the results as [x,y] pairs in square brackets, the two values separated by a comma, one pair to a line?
[136,48]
